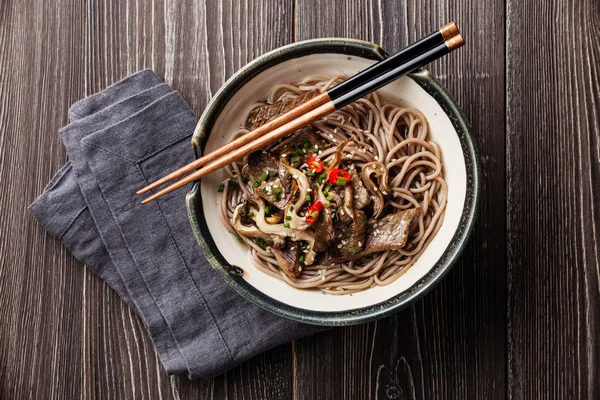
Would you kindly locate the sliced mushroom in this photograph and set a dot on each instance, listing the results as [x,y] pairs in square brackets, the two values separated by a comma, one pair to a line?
[378,169]
[253,231]
[337,156]
[361,195]
[273,219]
[294,220]
[281,230]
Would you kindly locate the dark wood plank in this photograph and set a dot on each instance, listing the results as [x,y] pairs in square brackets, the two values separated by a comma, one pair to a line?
[41,324]
[553,109]
[451,344]
[64,332]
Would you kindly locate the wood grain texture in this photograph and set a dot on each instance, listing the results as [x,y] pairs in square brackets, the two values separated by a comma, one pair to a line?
[517,317]
[452,343]
[553,114]
[65,334]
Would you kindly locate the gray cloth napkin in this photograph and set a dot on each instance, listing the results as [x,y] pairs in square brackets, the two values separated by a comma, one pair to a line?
[118,140]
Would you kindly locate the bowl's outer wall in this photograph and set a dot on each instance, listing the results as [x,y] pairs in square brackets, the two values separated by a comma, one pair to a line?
[233,275]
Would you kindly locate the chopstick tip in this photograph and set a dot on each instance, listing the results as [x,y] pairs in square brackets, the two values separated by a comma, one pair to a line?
[455,42]
[449,30]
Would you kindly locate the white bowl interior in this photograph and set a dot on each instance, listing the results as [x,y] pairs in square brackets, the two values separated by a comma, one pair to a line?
[403,91]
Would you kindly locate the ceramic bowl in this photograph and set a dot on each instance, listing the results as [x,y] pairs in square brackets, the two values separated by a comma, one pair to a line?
[328,57]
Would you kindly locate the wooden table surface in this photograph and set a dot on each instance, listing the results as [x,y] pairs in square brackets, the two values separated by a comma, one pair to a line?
[519,315]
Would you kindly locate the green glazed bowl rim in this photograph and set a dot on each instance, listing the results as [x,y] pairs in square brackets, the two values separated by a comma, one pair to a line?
[233,275]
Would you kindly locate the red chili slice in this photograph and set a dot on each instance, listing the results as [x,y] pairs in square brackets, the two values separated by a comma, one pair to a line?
[339,177]
[313,212]
[314,164]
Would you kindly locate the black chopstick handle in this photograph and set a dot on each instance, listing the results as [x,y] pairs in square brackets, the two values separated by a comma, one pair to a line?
[372,85]
[383,66]
[394,61]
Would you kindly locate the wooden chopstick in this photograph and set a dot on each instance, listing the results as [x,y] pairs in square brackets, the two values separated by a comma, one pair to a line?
[440,36]
[336,98]
[242,140]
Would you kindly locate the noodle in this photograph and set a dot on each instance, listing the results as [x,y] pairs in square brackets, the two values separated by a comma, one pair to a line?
[394,135]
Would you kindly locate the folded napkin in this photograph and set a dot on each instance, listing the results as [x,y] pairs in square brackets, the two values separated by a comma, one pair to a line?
[119,140]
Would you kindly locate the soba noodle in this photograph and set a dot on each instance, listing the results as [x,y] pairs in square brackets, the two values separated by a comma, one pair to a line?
[395,135]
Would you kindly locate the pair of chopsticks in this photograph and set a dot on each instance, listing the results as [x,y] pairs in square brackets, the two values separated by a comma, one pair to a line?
[426,50]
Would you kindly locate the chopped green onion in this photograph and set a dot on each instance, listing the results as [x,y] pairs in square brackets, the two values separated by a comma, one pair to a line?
[352,250]
[251,214]
[264,176]
[364,220]
[329,198]
[277,196]
[341,181]
[256,184]
[323,176]
[264,190]
[261,242]
[288,217]
[233,185]
[277,190]
[292,208]
[233,173]
[295,159]
[221,187]
[310,174]
[307,197]
[244,179]
[286,225]
[299,151]
[314,214]
[268,210]
[301,259]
